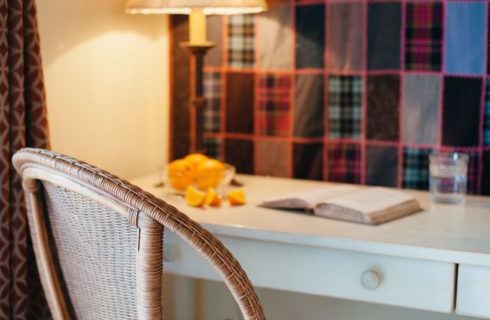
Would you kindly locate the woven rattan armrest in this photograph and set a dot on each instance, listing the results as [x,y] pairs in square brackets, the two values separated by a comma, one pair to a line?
[141,209]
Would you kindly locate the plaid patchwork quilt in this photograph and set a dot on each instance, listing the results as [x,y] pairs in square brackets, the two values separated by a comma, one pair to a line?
[344,106]
[486,126]
[241,41]
[423,32]
[212,92]
[273,105]
[344,163]
[347,91]
[416,168]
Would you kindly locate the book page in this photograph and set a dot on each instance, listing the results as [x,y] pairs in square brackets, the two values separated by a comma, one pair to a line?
[308,199]
[371,200]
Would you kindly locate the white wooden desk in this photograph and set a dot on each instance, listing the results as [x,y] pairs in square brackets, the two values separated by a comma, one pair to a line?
[436,260]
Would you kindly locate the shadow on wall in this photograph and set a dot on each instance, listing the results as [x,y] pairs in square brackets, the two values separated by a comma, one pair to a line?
[77,22]
[106,83]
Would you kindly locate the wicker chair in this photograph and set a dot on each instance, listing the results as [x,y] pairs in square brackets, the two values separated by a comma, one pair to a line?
[98,241]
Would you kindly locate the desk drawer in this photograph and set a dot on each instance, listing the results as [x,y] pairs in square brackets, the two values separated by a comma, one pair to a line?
[473,291]
[336,273]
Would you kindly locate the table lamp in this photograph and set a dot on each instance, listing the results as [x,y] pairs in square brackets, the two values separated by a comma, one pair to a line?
[197,44]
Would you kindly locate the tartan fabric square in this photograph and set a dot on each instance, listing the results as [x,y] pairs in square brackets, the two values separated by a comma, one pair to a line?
[241,38]
[240,152]
[274,96]
[486,120]
[461,111]
[273,157]
[212,111]
[416,168]
[344,106]
[344,163]
[485,173]
[308,160]
[423,34]
[472,182]
[464,36]
[212,146]
[384,35]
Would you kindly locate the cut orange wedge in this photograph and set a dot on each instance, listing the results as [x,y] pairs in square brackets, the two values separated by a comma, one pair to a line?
[212,198]
[194,197]
[236,197]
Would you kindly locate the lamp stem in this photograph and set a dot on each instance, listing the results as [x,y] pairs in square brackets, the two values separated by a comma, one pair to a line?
[197,101]
[198,47]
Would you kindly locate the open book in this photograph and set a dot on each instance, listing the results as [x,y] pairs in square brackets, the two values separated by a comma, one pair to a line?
[362,205]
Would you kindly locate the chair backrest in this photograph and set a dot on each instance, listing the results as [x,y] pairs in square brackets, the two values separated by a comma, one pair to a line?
[98,241]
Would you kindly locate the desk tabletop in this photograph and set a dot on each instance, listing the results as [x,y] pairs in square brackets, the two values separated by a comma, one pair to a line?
[442,232]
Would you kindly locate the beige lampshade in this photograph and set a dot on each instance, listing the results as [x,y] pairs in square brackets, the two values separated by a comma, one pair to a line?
[208,7]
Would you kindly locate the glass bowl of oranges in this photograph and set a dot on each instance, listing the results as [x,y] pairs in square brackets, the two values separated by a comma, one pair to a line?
[199,171]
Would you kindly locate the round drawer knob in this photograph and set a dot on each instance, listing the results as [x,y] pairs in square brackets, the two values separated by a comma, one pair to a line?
[370,279]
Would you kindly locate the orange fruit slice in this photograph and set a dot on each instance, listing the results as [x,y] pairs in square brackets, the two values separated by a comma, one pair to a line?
[212,198]
[236,197]
[194,197]
[179,174]
[210,173]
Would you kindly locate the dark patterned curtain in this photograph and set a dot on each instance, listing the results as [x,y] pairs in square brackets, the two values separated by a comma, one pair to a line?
[22,123]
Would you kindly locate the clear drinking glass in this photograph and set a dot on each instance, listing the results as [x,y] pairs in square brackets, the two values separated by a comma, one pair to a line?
[448,176]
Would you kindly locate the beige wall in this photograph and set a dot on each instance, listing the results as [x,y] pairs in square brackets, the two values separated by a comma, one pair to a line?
[107,84]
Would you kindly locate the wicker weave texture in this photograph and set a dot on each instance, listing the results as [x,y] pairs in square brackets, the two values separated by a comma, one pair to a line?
[96,251]
[141,209]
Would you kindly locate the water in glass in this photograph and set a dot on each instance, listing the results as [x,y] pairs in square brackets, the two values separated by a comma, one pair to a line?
[448,176]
